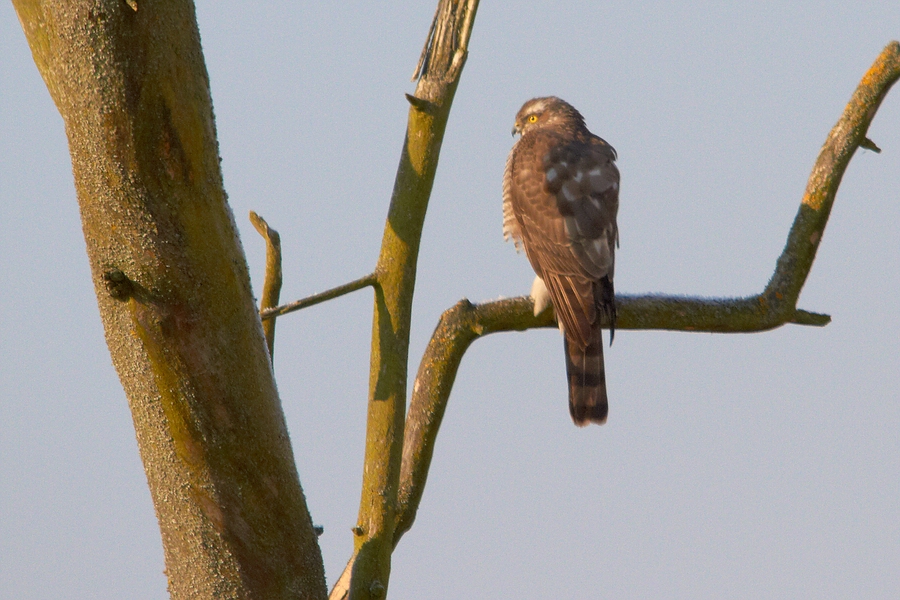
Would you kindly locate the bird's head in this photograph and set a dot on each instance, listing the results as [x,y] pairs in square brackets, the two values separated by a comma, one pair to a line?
[550,111]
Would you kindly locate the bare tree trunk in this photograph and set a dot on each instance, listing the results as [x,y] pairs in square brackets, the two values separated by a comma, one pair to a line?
[174,295]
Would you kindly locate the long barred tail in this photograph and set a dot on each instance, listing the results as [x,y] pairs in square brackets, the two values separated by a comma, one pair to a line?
[587,381]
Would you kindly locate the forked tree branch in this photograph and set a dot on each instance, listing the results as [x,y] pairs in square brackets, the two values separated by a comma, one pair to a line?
[776,305]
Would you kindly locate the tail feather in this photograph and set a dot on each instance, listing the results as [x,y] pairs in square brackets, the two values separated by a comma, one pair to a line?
[587,381]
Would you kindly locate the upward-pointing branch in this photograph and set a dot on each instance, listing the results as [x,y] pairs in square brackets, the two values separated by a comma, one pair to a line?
[438,76]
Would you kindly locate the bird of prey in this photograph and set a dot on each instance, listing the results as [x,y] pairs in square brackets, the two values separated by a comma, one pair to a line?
[560,200]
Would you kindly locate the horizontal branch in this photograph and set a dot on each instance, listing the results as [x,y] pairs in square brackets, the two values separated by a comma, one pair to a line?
[465,322]
[715,315]
[369,280]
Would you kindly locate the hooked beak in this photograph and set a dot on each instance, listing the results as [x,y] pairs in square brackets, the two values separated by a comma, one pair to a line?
[516,129]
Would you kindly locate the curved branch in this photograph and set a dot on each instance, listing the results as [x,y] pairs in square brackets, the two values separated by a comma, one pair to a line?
[776,305]
[847,135]
[465,322]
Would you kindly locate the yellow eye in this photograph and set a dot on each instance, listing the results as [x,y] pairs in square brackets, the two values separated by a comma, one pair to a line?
[532,118]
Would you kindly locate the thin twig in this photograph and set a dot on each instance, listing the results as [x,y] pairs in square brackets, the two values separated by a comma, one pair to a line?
[356,284]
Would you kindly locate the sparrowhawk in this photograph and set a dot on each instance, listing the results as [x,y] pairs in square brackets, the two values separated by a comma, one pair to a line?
[560,200]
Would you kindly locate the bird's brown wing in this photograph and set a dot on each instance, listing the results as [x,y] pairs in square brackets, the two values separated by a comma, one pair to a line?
[563,195]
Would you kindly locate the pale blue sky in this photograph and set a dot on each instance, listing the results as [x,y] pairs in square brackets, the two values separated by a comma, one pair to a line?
[732,466]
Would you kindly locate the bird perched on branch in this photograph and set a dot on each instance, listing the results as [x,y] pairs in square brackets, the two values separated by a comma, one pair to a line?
[560,200]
